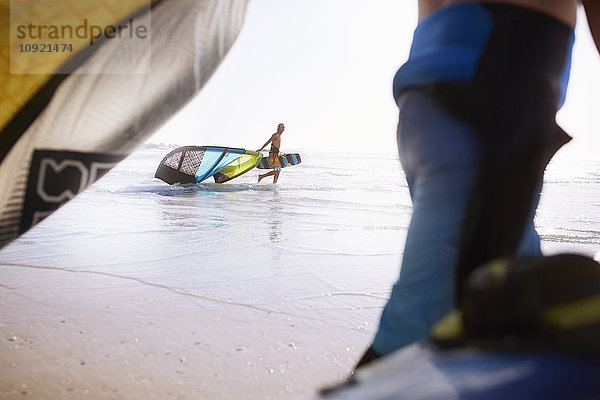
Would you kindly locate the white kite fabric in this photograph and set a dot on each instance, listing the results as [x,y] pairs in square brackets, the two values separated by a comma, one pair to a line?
[102,101]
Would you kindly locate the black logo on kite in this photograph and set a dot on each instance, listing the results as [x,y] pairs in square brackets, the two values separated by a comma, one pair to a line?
[55,177]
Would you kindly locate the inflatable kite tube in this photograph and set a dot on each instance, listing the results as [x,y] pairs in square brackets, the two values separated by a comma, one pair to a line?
[194,164]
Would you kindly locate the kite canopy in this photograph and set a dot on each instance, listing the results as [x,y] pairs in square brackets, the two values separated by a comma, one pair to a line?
[194,164]
[239,166]
[68,115]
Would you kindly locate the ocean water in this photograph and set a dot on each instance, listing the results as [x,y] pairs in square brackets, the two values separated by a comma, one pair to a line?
[332,225]
[281,285]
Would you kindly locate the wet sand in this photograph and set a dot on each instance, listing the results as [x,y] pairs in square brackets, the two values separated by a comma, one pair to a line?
[138,290]
[77,335]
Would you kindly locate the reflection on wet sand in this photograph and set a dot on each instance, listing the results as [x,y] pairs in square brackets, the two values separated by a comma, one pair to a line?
[274,218]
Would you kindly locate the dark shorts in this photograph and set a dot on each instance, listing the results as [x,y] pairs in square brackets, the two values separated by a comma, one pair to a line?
[274,161]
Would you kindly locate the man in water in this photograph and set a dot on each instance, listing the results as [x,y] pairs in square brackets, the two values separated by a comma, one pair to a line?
[478,98]
[275,141]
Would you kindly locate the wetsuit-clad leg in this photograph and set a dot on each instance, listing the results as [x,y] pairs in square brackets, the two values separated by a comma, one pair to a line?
[476,131]
[440,156]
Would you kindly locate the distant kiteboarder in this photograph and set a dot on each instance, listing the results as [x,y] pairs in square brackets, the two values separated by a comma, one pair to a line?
[275,141]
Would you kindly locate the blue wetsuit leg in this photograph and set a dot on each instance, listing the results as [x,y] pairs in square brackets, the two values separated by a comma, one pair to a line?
[440,156]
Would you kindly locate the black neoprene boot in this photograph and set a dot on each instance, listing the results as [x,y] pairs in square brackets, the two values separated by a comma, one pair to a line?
[367,357]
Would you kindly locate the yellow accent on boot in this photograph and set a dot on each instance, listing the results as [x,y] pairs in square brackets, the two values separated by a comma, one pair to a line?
[575,313]
[449,327]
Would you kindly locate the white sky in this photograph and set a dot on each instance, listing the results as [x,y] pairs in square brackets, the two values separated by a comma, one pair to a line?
[325,69]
